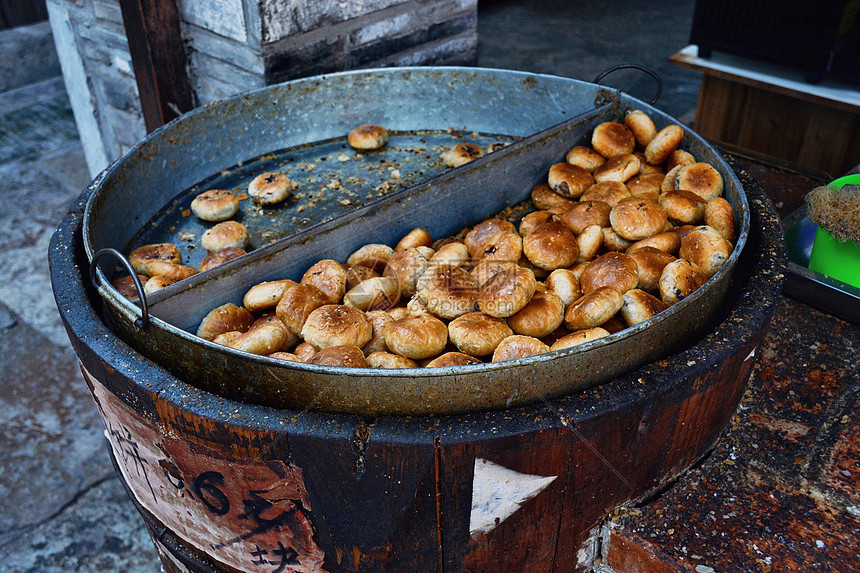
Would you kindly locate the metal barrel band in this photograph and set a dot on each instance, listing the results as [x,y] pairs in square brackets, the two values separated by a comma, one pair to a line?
[648,71]
[142,321]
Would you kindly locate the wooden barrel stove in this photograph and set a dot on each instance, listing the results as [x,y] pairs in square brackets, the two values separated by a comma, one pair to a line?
[224,486]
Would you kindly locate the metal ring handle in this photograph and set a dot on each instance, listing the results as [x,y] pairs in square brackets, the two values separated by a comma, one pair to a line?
[648,71]
[143,320]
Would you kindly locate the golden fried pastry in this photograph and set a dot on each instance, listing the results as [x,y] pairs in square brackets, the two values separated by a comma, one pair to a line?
[270,188]
[414,306]
[452,359]
[639,306]
[367,137]
[156,283]
[682,232]
[285,356]
[551,246]
[272,318]
[664,143]
[378,293]
[414,238]
[565,284]
[215,205]
[304,352]
[618,168]
[143,258]
[533,220]
[650,261]
[225,318]
[569,180]
[336,325]
[593,309]
[507,292]
[642,127]
[399,312]
[635,219]
[225,338]
[448,291]
[667,241]
[224,235]
[416,337]
[611,269]
[720,215]
[343,356]
[541,316]
[171,271]
[546,199]
[706,248]
[614,242]
[679,157]
[579,337]
[406,267]
[586,213]
[645,185]
[266,295]
[578,269]
[461,154]
[297,303]
[126,287]
[217,258]
[609,192]
[477,334]
[494,238]
[670,181]
[264,339]
[585,157]
[357,273]
[378,320]
[382,359]
[611,138]
[679,280]
[329,276]
[373,256]
[589,242]
[683,207]
[700,178]
[518,346]
[456,254]
[646,168]
[486,268]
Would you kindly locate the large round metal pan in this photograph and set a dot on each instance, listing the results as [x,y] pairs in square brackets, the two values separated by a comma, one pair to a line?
[221,136]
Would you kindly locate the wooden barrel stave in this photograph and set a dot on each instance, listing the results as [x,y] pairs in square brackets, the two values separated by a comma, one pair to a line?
[398,493]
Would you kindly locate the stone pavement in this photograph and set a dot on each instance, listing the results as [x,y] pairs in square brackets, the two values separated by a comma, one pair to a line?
[61,506]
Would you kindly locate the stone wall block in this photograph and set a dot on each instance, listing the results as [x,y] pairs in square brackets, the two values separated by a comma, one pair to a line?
[282,18]
[323,56]
[223,17]
[386,47]
[239,54]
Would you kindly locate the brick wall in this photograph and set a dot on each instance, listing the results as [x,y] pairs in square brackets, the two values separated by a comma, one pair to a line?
[238,45]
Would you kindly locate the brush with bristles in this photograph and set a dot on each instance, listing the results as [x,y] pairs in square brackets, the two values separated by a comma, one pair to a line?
[836,210]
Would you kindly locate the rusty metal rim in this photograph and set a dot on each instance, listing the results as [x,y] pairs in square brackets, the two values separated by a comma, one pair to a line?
[522,365]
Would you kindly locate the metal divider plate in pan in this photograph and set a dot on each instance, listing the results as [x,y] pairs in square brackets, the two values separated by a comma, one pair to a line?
[442,205]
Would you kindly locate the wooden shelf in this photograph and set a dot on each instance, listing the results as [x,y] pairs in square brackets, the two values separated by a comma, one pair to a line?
[770,110]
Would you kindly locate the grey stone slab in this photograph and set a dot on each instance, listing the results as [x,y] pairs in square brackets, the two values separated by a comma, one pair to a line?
[238,54]
[45,125]
[51,436]
[100,531]
[226,17]
[581,39]
[68,167]
[33,205]
[29,56]
[280,18]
